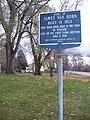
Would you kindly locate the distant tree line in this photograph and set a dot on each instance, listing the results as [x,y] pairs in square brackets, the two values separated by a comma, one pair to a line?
[75,63]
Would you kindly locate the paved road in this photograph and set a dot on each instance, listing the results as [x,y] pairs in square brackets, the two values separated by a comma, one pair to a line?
[80,73]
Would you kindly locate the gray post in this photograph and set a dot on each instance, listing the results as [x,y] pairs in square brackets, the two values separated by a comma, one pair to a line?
[60,86]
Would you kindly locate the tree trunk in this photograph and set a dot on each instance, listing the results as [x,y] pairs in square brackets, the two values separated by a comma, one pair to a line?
[51,71]
[37,69]
[9,59]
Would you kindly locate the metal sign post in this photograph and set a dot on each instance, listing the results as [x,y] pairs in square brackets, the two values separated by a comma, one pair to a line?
[59,31]
[60,85]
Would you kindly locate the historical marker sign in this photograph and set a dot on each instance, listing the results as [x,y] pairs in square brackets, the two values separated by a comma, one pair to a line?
[60,30]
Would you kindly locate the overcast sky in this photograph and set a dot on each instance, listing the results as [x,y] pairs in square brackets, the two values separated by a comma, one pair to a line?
[85,24]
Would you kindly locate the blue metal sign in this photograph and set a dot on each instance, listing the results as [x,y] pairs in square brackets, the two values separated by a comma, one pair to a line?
[60,30]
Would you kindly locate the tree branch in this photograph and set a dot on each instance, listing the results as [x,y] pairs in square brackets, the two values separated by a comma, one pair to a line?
[17,29]
[2,19]
[78,3]
[46,56]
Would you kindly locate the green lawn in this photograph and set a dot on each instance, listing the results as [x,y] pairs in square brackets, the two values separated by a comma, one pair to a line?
[36,98]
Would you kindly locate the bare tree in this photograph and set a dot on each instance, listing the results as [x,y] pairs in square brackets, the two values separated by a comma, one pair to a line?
[66,5]
[15,15]
[39,54]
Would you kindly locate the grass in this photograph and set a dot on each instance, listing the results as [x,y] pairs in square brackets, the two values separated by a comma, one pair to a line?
[36,98]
